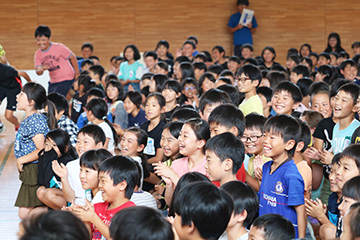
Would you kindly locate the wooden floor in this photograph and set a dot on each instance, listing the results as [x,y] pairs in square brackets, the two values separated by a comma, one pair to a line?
[9,180]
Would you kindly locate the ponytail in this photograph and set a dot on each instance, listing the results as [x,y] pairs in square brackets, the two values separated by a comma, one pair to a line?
[50,114]
[115,136]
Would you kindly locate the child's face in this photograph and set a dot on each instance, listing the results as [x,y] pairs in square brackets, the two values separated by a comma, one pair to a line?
[187,50]
[305,51]
[112,92]
[170,95]
[145,82]
[88,178]
[153,109]
[180,230]
[349,72]
[85,143]
[283,103]
[86,52]
[347,169]
[150,62]
[50,144]
[321,103]
[345,205]
[333,60]
[161,51]
[246,53]
[43,42]
[245,84]
[216,129]
[129,54]
[314,60]
[213,166]
[129,106]
[198,73]
[190,91]
[358,105]
[343,105]
[268,56]
[160,70]
[332,177]
[273,145]
[109,192]
[319,77]
[129,145]
[207,111]
[152,87]
[169,144]
[290,64]
[22,101]
[256,233]
[232,65]
[294,77]
[188,143]
[207,85]
[216,55]
[253,140]
[323,61]
[265,83]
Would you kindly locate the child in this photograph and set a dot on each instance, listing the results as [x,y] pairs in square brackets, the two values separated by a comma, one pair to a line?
[351,223]
[132,103]
[96,110]
[96,73]
[61,115]
[286,98]
[126,225]
[299,71]
[150,59]
[292,60]
[232,91]
[114,93]
[154,108]
[230,75]
[320,102]
[271,227]
[55,57]
[29,141]
[246,205]
[325,73]
[234,64]
[89,167]
[190,93]
[131,70]
[206,82]
[184,113]
[171,92]
[324,59]
[169,141]
[162,68]
[199,201]
[146,80]
[247,51]
[348,69]
[162,49]
[210,100]
[282,187]
[224,157]
[157,82]
[57,147]
[118,176]
[199,69]
[252,102]
[218,54]
[312,119]
[265,94]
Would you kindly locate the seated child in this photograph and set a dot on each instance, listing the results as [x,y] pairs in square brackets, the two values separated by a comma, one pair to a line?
[233,92]
[286,98]
[304,85]
[246,205]
[114,94]
[132,103]
[96,73]
[171,92]
[230,75]
[190,92]
[299,71]
[206,82]
[233,64]
[162,68]
[210,100]
[265,94]
[351,222]
[184,113]
[197,202]
[199,69]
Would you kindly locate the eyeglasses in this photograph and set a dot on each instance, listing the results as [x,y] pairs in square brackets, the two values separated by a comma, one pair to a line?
[189,88]
[251,138]
[243,79]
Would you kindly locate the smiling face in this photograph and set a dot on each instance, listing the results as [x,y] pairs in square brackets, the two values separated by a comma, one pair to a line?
[188,143]
[347,169]
[129,145]
[256,233]
[345,205]
[188,50]
[43,42]
[169,144]
[253,147]
[86,52]
[189,91]
[88,178]
[207,84]
[305,51]
[129,106]
[343,105]
[170,95]
[268,56]
[349,72]
[129,54]
[321,103]
[274,146]
[214,167]
[332,177]
[109,192]
[153,109]
[112,92]
[85,143]
[283,103]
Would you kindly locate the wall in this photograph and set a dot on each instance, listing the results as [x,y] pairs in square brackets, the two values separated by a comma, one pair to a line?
[110,25]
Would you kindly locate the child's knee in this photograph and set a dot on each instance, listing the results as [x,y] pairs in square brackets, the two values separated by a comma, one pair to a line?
[327,231]
[24,212]
[40,192]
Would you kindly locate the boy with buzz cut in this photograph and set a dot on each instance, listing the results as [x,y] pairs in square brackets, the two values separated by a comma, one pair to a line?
[299,71]
[118,176]
[286,98]
[249,78]
[202,211]
[224,157]
[210,100]
[282,186]
[246,205]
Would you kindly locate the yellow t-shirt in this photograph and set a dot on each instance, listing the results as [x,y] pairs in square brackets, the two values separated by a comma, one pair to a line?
[250,168]
[252,104]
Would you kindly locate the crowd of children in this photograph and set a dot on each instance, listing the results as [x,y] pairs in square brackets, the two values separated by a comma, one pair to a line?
[226,147]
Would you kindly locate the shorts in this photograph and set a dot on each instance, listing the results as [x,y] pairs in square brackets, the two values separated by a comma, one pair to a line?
[61,87]
[10,94]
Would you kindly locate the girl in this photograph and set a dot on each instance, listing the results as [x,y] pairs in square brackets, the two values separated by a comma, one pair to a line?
[192,139]
[131,70]
[169,141]
[305,50]
[184,71]
[57,147]
[89,166]
[334,43]
[171,92]
[324,74]
[162,68]
[114,94]
[268,55]
[132,103]
[154,108]
[96,110]
[320,102]
[157,82]
[206,82]
[29,140]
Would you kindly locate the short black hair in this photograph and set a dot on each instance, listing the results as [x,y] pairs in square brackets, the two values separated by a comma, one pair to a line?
[87,61]
[285,126]
[184,113]
[229,116]
[305,135]
[93,158]
[151,54]
[221,49]
[351,188]
[275,227]
[94,57]
[227,146]
[97,70]
[181,59]
[294,57]
[93,131]
[127,222]
[244,198]
[135,97]
[202,200]
[200,65]
[202,56]
[352,152]
[352,89]
[163,43]
[200,128]
[136,52]
[255,121]
[217,69]
[314,54]
[325,55]
[96,92]
[247,45]
[87,45]
[291,88]
[60,102]
[250,71]
[304,85]
[347,62]
[43,30]
[159,79]
[252,61]
[173,85]
[235,59]
[226,73]
[336,86]
[190,42]
[315,87]
[226,80]
[163,65]
[301,69]
[232,91]
[266,92]
[193,38]
[344,54]
[213,96]
[242,2]
[202,78]
[147,76]
[308,61]
[121,168]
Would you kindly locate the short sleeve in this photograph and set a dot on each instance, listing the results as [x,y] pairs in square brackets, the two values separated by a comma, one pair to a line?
[37,125]
[121,71]
[139,72]
[64,51]
[254,23]
[319,131]
[37,59]
[232,21]
[295,190]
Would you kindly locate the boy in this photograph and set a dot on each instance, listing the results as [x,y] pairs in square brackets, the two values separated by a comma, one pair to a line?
[271,227]
[242,33]
[86,64]
[224,157]
[348,69]
[96,73]
[218,54]
[233,64]
[87,50]
[210,100]
[249,78]
[324,59]
[246,205]
[215,70]
[118,176]
[282,187]
[202,211]
[199,69]
[286,98]
[188,48]
[55,57]
[247,51]
[150,59]
[61,115]
[299,71]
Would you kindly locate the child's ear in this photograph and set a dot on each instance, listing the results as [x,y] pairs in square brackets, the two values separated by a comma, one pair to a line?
[289,144]
[228,164]
[140,148]
[234,131]
[162,110]
[241,217]
[178,95]
[201,143]
[354,109]
[99,145]
[61,112]
[191,229]
[255,83]
[296,105]
[122,186]
[299,146]
[268,104]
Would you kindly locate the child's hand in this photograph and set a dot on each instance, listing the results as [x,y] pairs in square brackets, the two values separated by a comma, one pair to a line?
[249,25]
[326,157]
[161,169]
[159,189]
[315,209]
[240,26]
[59,169]
[85,213]
[19,164]
[131,88]
[45,67]
[171,220]
[312,153]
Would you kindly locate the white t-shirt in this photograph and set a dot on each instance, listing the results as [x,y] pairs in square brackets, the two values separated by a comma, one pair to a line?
[138,160]
[97,198]
[108,134]
[73,168]
[143,198]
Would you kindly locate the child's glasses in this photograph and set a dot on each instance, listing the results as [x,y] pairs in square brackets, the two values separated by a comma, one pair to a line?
[243,79]
[251,138]
[189,88]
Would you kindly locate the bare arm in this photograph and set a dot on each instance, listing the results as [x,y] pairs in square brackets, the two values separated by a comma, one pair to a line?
[301,220]
[158,157]
[75,65]
[24,75]
[61,171]
[39,141]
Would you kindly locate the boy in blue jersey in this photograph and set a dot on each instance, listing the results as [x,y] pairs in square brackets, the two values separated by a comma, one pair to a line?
[282,187]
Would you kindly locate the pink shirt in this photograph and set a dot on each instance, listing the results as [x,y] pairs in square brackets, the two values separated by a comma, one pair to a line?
[57,58]
[180,166]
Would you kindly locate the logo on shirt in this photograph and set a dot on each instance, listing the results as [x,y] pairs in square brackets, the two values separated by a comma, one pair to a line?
[279,187]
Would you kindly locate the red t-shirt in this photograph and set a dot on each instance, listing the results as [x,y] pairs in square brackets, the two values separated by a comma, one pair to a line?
[240,175]
[101,209]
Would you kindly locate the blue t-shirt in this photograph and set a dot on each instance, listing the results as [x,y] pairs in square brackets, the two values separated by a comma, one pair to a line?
[281,191]
[333,211]
[138,120]
[243,35]
[131,72]
[32,125]
[342,138]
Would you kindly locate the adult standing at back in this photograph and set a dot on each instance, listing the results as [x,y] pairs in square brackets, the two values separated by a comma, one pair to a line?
[55,57]
[242,33]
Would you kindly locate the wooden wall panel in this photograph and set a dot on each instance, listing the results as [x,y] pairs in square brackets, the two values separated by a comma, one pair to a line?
[110,25]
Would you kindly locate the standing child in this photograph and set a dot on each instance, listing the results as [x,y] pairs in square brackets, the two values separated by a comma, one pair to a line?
[171,92]
[29,140]
[114,94]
